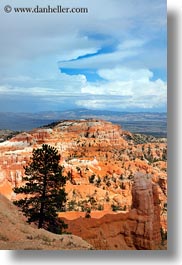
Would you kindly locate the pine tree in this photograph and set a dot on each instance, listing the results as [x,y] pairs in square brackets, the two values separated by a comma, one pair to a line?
[43,190]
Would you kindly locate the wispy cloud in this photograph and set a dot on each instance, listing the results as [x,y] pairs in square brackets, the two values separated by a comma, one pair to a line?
[116,50]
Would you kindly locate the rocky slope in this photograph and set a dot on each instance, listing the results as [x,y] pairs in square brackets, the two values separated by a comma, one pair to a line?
[6,135]
[16,234]
[100,160]
[138,229]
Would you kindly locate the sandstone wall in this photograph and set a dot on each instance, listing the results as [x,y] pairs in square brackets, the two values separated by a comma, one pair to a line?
[138,229]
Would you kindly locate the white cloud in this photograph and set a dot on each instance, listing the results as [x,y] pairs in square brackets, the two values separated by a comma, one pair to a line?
[47,86]
[125,74]
[110,59]
[33,44]
[28,36]
[134,86]
[122,88]
[131,43]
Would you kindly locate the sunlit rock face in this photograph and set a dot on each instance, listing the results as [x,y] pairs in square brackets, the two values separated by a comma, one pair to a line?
[146,211]
[137,229]
[104,165]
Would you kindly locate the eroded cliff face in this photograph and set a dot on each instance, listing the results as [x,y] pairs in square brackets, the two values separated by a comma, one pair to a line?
[137,229]
[144,217]
[100,160]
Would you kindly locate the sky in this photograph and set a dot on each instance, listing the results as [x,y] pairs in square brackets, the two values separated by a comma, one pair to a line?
[111,58]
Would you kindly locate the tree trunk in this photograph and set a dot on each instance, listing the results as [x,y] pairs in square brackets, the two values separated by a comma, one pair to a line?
[41,213]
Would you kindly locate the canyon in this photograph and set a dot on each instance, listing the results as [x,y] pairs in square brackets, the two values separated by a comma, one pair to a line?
[117,178]
[138,229]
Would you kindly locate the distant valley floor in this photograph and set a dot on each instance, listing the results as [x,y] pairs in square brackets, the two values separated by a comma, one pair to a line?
[147,123]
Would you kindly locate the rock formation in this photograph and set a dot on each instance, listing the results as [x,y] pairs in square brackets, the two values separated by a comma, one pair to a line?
[144,218]
[100,160]
[137,229]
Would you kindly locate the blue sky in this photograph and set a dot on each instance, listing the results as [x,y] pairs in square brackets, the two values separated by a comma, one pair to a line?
[113,57]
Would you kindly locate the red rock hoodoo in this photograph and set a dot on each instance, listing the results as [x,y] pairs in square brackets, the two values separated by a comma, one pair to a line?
[137,229]
[101,161]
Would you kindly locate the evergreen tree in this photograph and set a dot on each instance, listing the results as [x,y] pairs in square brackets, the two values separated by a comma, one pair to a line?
[43,190]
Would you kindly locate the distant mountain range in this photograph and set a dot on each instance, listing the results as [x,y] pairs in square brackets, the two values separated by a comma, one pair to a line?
[142,122]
